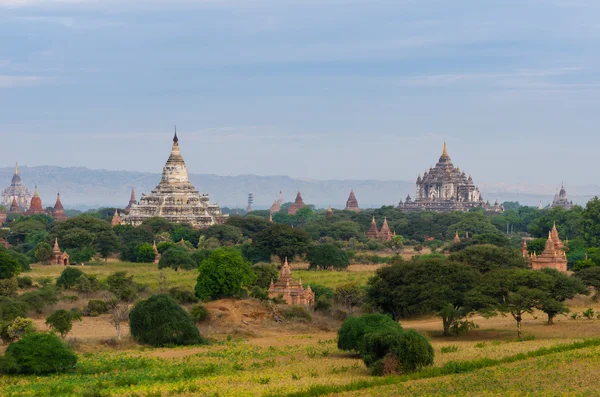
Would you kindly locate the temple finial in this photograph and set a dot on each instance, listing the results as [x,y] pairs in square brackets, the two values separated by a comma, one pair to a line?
[445,153]
[17,168]
[175,139]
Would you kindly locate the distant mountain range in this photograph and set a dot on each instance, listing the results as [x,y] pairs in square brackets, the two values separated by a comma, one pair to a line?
[82,188]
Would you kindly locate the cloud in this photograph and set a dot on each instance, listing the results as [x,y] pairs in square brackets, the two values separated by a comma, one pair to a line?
[9,81]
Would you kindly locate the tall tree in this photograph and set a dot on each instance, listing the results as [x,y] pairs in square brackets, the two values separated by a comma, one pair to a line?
[590,222]
[283,241]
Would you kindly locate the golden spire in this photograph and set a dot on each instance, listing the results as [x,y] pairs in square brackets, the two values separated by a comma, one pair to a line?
[445,153]
[17,169]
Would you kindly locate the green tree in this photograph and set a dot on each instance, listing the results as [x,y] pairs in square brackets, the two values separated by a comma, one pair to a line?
[226,234]
[249,225]
[61,321]
[484,258]
[9,286]
[325,256]
[283,241]
[591,278]
[176,258]
[562,287]
[590,223]
[9,267]
[107,244]
[351,335]
[122,285]
[350,295]
[160,321]
[38,300]
[396,244]
[538,245]
[512,291]
[421,287]
[20,327]
[43,252]
[223,274]
[144,253]
[39,354]
[68,278]
[265,273]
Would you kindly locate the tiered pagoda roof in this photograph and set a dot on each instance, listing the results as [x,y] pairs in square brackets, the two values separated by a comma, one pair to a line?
[36,204]
[290,290]
[373,232]
[296,205]
[385,234]
[16,192]
[352,203]
[59,212]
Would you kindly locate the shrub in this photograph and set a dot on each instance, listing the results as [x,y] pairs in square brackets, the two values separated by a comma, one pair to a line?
[321,290]
[25,282]
[68,278]
[160,321]
[45,281]
[224,273]
[144,253]
[323,304]
[20,327]
[259,293]
[199,313]
[327,255]
[122,286]
[95,307]
[352,332]
[87,284]
[449,349]
[177,258]
[265,273]
[182,295]
[38,300]
[411,350]
[9,286]
[588,313]
[38,353]
[61,321]
[296,312]
[9,266]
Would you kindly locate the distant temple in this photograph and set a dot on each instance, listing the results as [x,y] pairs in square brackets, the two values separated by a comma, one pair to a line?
[385,234]
[329,212]
[290,290]
[456,238]
[116,219]
[560,199]
[132,201]
[175,198]
[58,213]
[352,203]
[276,207]
[373,232]
[58,257]
[553,257]
[296,205]
[17,193]
[36,204]
[446,188]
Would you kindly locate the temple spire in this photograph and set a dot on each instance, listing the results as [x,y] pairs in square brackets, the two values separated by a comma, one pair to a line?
[175,139]
[16,168]
[445,153]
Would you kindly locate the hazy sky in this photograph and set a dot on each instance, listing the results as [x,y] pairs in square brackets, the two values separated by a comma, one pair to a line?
[314,89]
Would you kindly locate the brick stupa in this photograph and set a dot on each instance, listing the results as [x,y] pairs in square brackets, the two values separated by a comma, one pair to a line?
[553,257]
[290,290]
[296,205]
[352,203]
[36,204]
[373,233]
[385,234]
[58,212]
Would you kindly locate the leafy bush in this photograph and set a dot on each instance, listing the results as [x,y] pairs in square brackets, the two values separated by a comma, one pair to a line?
[87,284]
[122,286]
[224,273]
[588,313]
[95,307]
[259,293]
[352,332]
[323,304]
[449,349]
[321,290]
[265,273]
[9,286]
[325,256]
[160,321]
[61,321]
[20,327]
[68,278]
[25,282]
[182,295]
[40,299]
[39,354]
[9,266]
[297,313]
[199,313]
[177,258]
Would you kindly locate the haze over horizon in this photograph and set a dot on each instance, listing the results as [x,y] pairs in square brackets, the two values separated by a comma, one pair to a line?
[348,89]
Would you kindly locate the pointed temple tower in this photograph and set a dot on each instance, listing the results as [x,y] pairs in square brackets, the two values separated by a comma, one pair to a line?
[329,212]
[59,258]
[296,205]
[14,207]
[385,233]
[36,204]
[16,192]
[275,207]
[561,200]
[373,233]
[553,257]
[58,212]
[445,188]
[116,219]
[132,201]
[290,290]
[352,203]
[175,198]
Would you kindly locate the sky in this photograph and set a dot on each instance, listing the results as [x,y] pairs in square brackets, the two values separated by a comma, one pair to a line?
[315,89]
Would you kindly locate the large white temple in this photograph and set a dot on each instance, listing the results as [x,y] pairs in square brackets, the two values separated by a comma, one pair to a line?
[175,198]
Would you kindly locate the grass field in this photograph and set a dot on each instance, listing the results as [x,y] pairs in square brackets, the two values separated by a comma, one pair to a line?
[251,355]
